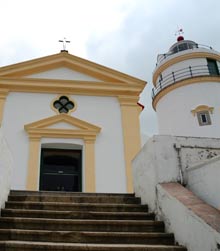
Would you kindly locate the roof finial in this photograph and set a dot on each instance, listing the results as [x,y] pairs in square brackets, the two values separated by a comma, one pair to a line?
[178,33]
[64,41]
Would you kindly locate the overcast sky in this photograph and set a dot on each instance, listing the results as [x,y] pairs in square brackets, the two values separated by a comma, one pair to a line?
[125,35]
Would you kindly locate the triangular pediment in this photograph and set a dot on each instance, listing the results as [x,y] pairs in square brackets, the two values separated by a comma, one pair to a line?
[62,73]
[65,60]
[55,127]
[60,122]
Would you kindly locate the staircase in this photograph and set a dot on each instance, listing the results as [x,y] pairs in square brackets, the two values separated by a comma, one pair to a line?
[80,221]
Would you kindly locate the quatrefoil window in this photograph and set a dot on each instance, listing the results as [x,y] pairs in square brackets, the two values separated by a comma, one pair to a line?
[63,104]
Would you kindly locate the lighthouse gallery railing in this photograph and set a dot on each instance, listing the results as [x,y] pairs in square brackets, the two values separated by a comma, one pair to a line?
[182,74]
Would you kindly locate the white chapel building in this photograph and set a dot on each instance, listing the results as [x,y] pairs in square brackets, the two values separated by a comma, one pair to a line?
[70,124]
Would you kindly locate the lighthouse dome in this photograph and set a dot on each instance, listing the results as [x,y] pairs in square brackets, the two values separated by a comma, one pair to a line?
[182,45]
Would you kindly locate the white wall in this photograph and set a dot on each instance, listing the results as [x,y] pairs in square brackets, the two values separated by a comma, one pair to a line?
[174,110]
[156,162]
[167,159]
[203,180]
[24,108]
[6,165]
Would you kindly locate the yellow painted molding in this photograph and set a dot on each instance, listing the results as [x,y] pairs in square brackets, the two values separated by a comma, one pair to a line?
[201,108]
[37,130]
[3,95]
[195,80]
[131,134]
[128,100]
[181,58]
[90,88]
[90,185]
[65,59]
[32,181]
[43,123]
[61,133]
[57,98]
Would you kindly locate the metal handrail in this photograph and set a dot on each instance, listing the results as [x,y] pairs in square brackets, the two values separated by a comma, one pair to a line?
[182,74]
[162,57]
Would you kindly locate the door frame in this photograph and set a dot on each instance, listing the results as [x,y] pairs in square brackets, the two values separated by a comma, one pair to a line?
[39,129]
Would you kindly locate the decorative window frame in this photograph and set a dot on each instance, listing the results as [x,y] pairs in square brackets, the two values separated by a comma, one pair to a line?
[57,98]
[203,110]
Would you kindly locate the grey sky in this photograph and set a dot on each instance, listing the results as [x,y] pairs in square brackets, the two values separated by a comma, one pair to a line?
[125,35]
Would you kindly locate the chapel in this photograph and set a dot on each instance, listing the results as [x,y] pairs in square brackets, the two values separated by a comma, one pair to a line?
[71,124]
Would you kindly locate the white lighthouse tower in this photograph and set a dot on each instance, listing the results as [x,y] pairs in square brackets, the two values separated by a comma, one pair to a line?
[186,93]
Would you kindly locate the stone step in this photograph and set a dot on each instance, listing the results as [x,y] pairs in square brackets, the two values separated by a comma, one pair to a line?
[44,246]
[76,206]
[75,199]
[61,193]
[87,237]
[77,214]
[82,225]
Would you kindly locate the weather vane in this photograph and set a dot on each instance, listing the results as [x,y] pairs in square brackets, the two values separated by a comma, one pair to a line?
[179,31]
[64,41]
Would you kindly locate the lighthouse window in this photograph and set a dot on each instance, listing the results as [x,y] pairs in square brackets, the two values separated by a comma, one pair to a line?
[212,67]
[204,118]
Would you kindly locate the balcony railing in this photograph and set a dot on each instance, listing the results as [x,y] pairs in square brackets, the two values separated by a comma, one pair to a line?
[179,48]
[182,74]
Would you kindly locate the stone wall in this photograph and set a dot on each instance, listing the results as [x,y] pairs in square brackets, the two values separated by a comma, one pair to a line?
[189,161]
[194,223]
[167,159]
[203,180]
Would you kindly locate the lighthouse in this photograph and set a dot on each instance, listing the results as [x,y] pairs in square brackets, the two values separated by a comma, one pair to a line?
[186,93]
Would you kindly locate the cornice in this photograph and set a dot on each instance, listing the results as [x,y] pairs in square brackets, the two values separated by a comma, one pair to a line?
[90,88]
[61,133]
[201,108]
[128,100]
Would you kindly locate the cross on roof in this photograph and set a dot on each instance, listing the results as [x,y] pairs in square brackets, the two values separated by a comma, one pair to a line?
[64,41]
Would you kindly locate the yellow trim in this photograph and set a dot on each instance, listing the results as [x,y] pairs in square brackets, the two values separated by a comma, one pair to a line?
[3,95]
[33,164]
[38,130]
[89,88]
[90,185]
[131,134]
[57,98]
[181,58]
[195,80]
[65,59]
[62,118]
[201,108]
